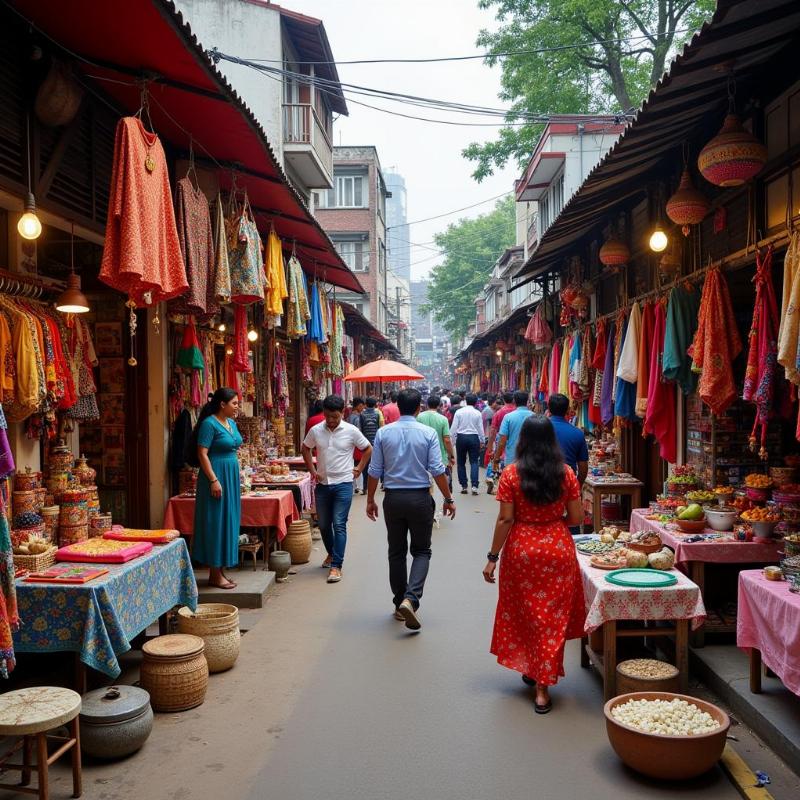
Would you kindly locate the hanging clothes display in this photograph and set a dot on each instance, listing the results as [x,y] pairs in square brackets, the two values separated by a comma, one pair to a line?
[241,361]
[621,327]
[9,617]
[315,326]
[7,465]
[789,330]
[222,270]
[760,373]
[299,312]
[196,240]
[625,394]
[141,255]
[682,313]
[538,331]
[643,369]
[716,344]
[661,394]
[84,360]
[563,372]
[244,255]
[277,291]
[606,392]
[598,364]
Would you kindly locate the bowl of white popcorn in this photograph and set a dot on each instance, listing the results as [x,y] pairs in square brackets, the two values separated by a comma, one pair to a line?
[666,735]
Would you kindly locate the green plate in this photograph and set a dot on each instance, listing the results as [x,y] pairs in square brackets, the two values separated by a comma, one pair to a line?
[642,578]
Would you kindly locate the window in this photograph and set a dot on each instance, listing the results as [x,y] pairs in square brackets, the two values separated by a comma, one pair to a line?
[354,253]
[349,191]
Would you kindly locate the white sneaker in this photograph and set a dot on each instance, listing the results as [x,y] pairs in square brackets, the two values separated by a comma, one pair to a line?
[475,490]
[406,610]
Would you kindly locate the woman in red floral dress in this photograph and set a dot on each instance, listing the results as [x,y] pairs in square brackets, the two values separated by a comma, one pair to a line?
[541,594]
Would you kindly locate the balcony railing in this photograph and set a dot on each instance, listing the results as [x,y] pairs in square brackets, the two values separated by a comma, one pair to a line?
[301,125]
[533,233]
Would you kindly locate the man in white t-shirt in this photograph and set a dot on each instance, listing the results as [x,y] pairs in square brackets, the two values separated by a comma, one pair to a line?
[334,440]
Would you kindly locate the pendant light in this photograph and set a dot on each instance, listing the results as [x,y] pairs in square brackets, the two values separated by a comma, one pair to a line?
[252,335]
[658,238]
[687,206]
[72,300]
[29,225]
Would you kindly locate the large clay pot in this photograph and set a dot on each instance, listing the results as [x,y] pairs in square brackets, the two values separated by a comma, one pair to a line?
[298,542]
[280,563]
[115,721]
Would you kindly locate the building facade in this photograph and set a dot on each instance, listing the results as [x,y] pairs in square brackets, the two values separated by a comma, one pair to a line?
[398,231]
[353,214]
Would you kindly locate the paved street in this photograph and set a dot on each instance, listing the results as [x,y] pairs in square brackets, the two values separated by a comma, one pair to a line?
[332,698]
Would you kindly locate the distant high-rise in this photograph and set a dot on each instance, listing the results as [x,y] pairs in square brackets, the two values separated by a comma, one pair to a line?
[397,229]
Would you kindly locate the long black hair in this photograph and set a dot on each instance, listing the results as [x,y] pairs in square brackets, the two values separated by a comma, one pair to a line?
[540,463]
[223,395]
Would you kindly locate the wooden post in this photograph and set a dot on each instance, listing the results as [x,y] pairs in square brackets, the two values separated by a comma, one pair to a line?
[755,670]
[41,766]
[75,732]
[609,659]
[682,652]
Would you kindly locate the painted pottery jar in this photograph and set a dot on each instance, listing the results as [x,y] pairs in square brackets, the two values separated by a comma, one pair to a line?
[99,524]
[27,480]
[115,721]
[74,514]
[85,474]
[60,458]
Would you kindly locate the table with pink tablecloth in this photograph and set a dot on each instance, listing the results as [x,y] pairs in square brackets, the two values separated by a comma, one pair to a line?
[274,509]
[727,551]
[606,601]
[768,621]
[302,489]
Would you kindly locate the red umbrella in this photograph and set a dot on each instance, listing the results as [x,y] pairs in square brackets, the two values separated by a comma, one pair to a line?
[384,370]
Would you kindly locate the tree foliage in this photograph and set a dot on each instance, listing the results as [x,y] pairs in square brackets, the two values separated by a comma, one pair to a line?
[611,53]
[470,248]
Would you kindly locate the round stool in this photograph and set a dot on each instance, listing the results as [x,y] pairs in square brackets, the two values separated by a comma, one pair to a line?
[30,714]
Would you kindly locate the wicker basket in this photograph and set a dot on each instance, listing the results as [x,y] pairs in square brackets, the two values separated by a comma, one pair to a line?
[174,672]
[628,681]
[36,563]
[298,542]
[217,624]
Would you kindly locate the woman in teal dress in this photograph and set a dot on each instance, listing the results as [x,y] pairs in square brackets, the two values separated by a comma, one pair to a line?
[217,509]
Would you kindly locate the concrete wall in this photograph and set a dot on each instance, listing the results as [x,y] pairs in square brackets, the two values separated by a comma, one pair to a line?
[249,31]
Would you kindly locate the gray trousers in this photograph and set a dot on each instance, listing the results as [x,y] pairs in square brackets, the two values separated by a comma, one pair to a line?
[408,511]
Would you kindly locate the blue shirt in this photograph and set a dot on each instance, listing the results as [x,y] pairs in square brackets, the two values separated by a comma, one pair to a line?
[510,428]
[572,442]
[404,453]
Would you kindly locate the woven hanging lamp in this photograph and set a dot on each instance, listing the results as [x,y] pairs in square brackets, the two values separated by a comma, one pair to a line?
[688,205]
[614,253]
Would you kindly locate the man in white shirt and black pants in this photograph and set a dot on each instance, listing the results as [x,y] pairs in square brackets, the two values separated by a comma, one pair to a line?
[335,475]
[466,432]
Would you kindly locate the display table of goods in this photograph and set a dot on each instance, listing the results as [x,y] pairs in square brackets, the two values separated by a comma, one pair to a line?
[767,624]
[679,605]
[298,483]
[273,509]
[597,487]
[98,619]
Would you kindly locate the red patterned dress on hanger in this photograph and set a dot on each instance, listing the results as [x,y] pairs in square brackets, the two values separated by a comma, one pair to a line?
[540,603]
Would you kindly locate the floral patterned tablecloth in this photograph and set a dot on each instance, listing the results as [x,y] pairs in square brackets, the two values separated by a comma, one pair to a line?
[606,601]
[98,619]
[718,551]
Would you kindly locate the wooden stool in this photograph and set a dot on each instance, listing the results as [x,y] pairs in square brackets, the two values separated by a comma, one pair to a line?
[29,714]
[254,548]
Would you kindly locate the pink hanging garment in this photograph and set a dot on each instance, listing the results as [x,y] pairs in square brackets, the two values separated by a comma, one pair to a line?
[241,362]
[660,413]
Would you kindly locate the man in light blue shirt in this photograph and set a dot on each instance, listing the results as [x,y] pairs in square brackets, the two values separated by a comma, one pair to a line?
[510,428]
[404,455]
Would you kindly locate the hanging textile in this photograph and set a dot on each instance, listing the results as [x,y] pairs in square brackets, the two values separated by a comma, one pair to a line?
[277,290]
[555,367]
[222,269]
[576,367]
[244,256]
[682,313]
[759,377]
[141,255]
[7,465]
[281,379]
[661,395]
[629,355]
[315,325]
[337,331]
[643,369]
[789,331]
[598,363]
[9,618]
[544,392]
[538,331]
[196,240]
[189,354]
[625,394]
[299,312]
[621,327]
[241,361]
[606,392]
[716,344]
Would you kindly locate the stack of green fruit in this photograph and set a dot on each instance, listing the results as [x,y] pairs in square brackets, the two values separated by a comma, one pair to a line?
[691,513]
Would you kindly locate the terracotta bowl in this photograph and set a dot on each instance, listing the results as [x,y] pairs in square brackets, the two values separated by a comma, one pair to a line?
[666,757]
[692,525]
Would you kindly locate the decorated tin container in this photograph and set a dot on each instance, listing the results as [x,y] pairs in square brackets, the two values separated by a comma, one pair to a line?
[41,496]
[57,482]
[60,458]
[24,481]
[50,516]
[74,514]
[84,473]
[115,721]
[24,502]
[99,524]
[72,534]
[92,498]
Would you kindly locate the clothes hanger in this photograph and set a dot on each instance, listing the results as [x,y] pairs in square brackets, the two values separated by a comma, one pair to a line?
[144,108]
[192,170]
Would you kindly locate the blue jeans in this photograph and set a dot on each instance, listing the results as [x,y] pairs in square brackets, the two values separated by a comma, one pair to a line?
[468,444]
[333,508]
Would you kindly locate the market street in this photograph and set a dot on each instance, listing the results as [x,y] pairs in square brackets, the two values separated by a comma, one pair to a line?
[331,698]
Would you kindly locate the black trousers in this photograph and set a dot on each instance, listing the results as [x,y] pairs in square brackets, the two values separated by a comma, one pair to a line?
[408,511]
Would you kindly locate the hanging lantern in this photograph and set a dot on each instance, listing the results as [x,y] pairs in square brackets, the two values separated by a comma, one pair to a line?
[688,206]
[614,253]
[733,156]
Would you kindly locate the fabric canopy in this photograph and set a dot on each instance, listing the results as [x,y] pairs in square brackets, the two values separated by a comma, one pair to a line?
[384,370]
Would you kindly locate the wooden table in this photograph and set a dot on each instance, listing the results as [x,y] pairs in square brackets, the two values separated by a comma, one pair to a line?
[692,557]
[767,625]
[657,612]
[595,489]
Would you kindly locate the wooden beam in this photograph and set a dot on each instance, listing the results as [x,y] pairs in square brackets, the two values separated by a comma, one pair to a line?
[62,145]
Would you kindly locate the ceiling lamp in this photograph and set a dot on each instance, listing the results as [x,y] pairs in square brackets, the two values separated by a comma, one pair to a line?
[614,253]
[221,327]
[29,225]
[252,335]
[658,239]
[688,206]
[72,300]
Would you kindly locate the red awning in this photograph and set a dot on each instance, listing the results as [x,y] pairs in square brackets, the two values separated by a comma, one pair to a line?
[118,44]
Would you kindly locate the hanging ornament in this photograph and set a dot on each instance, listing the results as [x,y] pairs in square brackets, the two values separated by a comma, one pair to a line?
[614,253]
[733,156]
[688,206]
[131,304]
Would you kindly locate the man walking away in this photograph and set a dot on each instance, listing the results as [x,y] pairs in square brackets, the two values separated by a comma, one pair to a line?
[433,419]
[487,412]
[391,413]
[371,421]
[507,407]
[571,440]
[405,454]
[466,431]
[509,430]
[355,420]
[334,440]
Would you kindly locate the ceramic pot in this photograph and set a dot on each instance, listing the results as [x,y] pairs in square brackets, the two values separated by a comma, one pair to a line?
[24,502]
[60,458]
[99,524]
[280,562]
[115,721]
[84,472]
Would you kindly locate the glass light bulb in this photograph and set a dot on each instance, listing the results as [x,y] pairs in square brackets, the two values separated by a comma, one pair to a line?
[252,335]
[658,241]
[229,351]
[499,353]
[29,226]
[221,327]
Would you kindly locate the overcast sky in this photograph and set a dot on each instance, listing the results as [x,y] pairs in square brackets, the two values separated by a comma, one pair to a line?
[427,155]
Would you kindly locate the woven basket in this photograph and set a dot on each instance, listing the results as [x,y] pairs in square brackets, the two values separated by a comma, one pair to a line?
[629,681]
[36,563]
[217,624]
[298,542]
[174,672]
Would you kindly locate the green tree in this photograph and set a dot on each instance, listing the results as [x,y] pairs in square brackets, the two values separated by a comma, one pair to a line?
[612,53]
[469,247]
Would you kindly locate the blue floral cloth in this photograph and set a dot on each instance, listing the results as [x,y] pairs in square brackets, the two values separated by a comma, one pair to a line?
[98,619]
